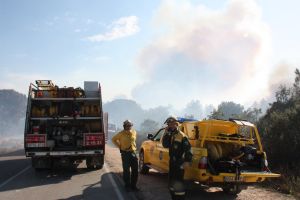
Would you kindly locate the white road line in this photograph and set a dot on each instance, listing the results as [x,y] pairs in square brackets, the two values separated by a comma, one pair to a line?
[113,182]
[14,176]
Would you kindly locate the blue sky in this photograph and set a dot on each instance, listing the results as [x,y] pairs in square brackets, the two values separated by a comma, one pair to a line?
[49,39]
[152,51]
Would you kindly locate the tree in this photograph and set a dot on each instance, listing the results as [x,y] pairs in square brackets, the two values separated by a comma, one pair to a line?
[296,89]
[227,110]
[193,108]
[158,114]
[280,128]
[216,114]
[283,94]
[121,109]
[251,114]
[149,125]
[208,109]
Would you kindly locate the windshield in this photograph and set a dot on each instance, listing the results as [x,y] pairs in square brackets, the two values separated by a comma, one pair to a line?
[245,132]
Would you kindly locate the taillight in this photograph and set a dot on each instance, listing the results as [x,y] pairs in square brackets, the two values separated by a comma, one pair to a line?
[93,139]
[35,140]
[266,163]
[202,163]
[35,130]
[265,166]
[39,94]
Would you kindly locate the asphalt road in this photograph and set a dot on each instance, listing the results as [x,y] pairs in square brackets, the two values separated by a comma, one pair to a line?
[19,181]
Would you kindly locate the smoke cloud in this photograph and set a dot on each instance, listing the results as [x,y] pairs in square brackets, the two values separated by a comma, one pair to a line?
[205,54]
[283,74]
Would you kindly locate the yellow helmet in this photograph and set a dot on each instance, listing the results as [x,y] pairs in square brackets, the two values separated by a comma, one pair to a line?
[170,120]
[127,123]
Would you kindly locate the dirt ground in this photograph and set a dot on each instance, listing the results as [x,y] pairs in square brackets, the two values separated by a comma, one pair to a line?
[154,185]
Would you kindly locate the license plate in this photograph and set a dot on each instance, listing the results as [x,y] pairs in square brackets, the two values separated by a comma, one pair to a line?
[232,179]
[35,144]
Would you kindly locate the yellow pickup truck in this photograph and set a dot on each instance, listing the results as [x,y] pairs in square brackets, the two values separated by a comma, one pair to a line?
[228,154]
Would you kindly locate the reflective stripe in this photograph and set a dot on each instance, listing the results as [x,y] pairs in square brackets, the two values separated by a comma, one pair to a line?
[179,193]
[58,153]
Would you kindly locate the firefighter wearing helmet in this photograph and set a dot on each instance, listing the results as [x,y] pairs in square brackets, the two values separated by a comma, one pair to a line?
[126,142]
[180,157]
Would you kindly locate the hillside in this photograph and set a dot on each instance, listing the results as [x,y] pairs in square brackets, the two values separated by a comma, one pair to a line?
[12,112]
[122,109]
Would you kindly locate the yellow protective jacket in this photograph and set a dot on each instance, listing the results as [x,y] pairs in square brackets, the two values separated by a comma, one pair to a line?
[125,140]
[179,146]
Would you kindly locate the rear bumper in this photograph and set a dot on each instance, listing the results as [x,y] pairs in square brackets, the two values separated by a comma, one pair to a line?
[64,153]
[245,177]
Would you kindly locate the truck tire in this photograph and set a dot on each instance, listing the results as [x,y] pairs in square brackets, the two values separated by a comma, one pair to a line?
[99,166]
[177,197]
[94,162]
[144,169]
[41,163]
[234,189]
[89,163]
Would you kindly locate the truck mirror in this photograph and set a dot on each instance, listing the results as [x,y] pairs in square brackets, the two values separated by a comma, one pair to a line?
[150,136]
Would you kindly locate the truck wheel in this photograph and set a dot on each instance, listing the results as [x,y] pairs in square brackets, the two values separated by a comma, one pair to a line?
[177,197]
[89,163]
[94,163]
[144,169]
[99,166]
[41,163]
[232,189]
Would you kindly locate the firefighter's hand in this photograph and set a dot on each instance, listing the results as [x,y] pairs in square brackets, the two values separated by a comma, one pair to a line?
[186,165]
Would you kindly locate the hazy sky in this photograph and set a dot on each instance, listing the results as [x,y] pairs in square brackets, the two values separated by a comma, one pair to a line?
[155,52]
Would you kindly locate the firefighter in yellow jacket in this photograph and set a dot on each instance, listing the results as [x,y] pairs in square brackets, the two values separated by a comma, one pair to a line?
[126,142]
[180,157]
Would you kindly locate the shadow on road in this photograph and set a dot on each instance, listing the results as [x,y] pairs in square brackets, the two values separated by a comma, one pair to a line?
[32,178]
[100,190]
[10,166]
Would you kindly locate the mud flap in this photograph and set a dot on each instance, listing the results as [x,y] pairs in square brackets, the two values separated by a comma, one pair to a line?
[41,163]
[95,162]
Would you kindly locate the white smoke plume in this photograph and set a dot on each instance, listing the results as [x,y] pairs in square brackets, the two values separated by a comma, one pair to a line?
[283,74]
[205,54]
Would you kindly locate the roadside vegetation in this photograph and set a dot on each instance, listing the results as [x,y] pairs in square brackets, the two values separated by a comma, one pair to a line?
[279,127]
